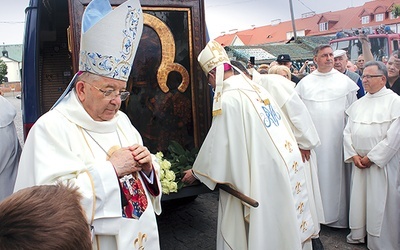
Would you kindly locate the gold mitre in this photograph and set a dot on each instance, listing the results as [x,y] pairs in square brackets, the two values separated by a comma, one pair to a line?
[212,56]
[109,38]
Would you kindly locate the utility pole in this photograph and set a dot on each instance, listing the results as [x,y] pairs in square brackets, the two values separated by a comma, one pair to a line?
[293,24]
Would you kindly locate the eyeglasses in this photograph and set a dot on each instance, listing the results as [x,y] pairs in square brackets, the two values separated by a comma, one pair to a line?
[107,93]
[369,76]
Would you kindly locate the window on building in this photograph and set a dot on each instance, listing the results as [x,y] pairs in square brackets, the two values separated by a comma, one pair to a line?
[391,15]
[323,26]
[365,19]
[379,17]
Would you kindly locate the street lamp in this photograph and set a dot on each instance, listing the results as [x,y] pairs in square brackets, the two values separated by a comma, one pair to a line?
[293,23]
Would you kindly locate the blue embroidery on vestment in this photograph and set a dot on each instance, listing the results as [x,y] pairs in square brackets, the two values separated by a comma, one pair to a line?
[270,116]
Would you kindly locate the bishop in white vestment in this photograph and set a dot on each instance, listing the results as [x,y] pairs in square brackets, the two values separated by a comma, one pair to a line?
[87,141]
[251,148]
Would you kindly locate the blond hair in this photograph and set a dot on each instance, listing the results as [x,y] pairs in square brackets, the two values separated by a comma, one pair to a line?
[277,69]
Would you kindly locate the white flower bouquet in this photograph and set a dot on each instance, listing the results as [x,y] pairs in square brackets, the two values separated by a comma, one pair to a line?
[174,165]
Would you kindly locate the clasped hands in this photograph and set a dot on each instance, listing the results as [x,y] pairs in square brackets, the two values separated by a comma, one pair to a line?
[131,159]
[362,162]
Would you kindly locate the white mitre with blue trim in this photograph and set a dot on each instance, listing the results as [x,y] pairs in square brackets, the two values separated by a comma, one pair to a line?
[109,38]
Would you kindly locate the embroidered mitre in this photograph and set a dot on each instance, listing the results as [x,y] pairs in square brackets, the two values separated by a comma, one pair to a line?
[109,38]
[214,56]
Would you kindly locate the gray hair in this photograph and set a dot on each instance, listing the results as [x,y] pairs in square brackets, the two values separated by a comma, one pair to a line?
[380,65]
[319,48]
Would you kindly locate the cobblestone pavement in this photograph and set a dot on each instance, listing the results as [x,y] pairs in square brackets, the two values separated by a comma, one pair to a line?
[192,223]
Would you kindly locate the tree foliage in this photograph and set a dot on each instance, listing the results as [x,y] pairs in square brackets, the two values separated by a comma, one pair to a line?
[3,70]
[396,10]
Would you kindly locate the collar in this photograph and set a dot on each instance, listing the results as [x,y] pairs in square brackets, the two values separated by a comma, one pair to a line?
[72,109]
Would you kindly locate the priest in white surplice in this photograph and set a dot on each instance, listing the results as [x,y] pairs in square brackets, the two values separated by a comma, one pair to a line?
[372,144]
[86,140]
[251,148]
[327,93]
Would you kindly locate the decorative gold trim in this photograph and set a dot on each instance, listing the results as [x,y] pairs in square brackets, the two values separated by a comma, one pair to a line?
[294,167]
[139,241]
[288,146]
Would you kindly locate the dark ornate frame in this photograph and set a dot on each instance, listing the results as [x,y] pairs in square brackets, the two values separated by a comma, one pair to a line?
[199,90]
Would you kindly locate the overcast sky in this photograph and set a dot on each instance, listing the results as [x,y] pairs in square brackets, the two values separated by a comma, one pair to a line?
[221,15]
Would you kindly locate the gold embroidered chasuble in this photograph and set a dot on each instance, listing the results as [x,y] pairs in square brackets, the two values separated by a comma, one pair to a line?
[250,147]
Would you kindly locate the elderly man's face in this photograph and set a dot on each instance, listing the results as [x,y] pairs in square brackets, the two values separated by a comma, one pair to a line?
[324,60]
[393,71]
[373,80]
[340,63]
[91,94]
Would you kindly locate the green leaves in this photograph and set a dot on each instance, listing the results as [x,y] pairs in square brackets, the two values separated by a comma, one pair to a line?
[396,10]
[181,160]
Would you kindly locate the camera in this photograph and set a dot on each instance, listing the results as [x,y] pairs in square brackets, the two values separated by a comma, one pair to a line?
[252,60]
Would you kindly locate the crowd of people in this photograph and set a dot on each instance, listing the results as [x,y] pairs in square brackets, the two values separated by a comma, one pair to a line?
[345,123]
[320,149]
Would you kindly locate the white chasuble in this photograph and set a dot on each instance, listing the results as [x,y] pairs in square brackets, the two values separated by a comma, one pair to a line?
[373,130]
[67,144]
[304,132]
[251,148]
[327,96]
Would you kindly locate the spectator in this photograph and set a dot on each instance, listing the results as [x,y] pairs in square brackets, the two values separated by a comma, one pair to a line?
[44,217]
[351,67]
[327,94]
[263,69]
[384,59]
[340,65]
[88,142]
[312,67]
[360,64]
[372,145]
[281,70]
[393,80]
[307,66]
[10,149]
[285,60]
